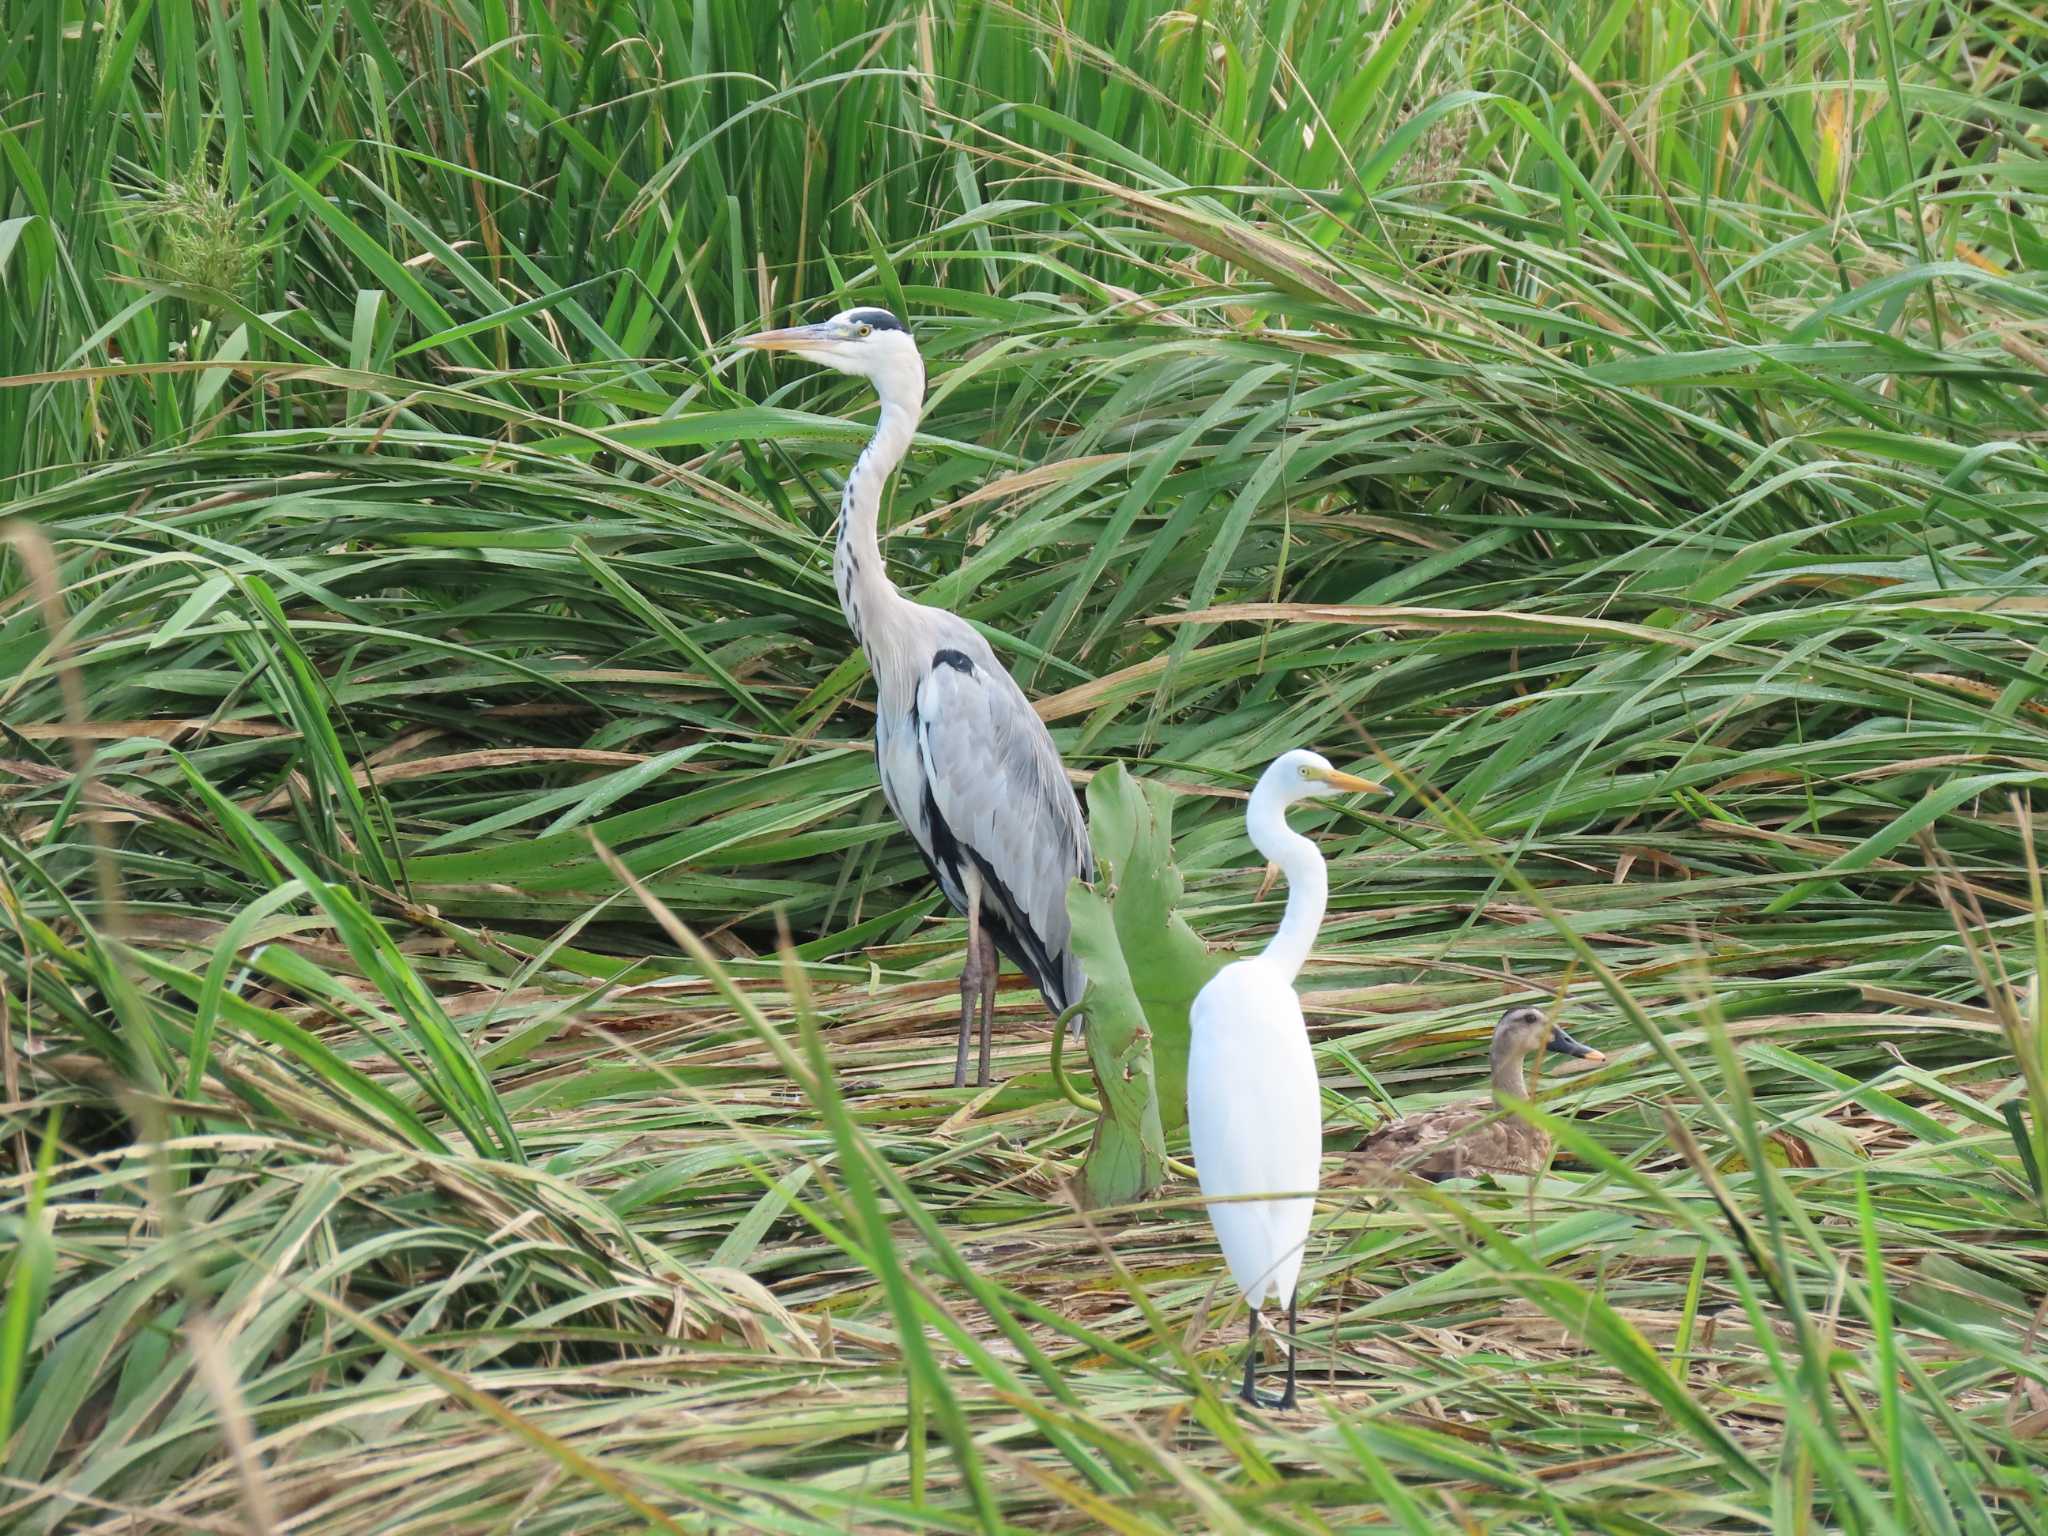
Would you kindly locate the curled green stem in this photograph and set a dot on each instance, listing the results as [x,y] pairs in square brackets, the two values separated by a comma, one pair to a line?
[1061,1081]
[1080,1100]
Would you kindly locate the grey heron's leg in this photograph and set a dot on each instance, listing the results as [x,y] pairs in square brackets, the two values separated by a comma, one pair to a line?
[991,972]
[970,978]
[1293,1351]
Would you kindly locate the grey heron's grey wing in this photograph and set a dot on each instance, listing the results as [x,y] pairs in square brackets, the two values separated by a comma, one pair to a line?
[999,798]
[899,758]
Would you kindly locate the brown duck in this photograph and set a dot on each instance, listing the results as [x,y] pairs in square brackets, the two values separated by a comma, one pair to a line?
[1464,1140]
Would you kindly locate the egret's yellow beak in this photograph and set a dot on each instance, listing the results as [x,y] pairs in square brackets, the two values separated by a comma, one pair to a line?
[1352,782]
[790,340]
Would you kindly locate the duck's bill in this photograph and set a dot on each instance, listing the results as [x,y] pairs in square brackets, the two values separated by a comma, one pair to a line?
[1352,782]
[1564,1044]
[791,339]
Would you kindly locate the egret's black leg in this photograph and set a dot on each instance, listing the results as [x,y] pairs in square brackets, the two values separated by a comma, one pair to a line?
[1251,1393]
[1251,1361]
[1293,1351]
[991,972]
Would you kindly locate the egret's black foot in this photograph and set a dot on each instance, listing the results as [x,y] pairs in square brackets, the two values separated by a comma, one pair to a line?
[1272,1402]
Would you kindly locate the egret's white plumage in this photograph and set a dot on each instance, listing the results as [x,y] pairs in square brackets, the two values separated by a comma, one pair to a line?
[965,762]
[1255,1119]
[1254,1110]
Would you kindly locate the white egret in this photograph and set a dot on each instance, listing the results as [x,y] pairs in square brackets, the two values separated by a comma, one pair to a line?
[1254,1113]
[965,762]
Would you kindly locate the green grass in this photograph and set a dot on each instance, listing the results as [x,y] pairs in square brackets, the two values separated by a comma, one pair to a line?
[1621,423]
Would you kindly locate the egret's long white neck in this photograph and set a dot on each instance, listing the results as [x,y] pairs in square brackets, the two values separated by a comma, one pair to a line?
[864,586]
[1308,882]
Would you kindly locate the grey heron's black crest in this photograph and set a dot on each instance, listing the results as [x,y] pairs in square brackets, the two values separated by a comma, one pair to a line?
[880,319]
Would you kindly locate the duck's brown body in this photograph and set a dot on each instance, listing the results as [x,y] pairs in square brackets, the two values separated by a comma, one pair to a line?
[1466,1140]
[1459,1142]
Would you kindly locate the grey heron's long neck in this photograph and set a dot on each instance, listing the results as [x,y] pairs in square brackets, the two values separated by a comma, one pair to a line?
[864,586]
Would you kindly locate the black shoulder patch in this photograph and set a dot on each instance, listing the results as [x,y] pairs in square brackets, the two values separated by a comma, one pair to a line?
[880,319]
[957,660]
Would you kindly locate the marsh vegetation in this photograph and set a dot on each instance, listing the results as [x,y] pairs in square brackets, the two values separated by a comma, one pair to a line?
[1619,426]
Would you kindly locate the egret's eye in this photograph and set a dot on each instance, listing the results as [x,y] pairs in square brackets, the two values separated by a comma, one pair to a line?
[863,329]
[1305,772]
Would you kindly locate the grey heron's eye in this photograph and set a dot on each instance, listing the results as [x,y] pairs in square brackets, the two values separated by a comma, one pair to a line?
[863,329]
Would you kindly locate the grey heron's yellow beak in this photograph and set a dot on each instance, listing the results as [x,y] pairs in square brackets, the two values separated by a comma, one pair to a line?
[795,338]
[1350,781]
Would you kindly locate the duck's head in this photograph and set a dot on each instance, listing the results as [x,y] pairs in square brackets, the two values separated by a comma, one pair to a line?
[1523,1031]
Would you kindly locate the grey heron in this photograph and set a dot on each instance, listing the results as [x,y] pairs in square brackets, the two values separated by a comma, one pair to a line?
[1255,1117]
[965,762]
